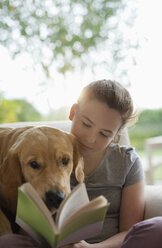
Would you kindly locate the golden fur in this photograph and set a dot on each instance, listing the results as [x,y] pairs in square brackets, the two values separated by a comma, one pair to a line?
[43,156]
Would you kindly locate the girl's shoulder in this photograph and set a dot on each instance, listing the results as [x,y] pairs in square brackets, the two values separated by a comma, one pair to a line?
[122,153]
[121,149]
[125,162]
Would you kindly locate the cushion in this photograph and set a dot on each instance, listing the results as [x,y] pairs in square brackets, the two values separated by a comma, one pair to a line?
[153,205]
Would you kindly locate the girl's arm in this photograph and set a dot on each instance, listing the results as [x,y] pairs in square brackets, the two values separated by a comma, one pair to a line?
[132,205]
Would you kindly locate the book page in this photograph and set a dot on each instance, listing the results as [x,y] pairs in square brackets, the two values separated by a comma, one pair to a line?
[95,204]
[32,193]
[76,200]
[83,233]
[81,227]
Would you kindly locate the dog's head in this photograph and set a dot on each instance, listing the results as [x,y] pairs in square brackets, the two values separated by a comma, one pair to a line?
[45,157]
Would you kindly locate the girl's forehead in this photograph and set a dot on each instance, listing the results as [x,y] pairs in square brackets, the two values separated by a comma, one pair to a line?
[100,114]
[92,104]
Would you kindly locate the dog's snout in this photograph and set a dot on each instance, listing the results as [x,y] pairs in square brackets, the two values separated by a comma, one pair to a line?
[54,198]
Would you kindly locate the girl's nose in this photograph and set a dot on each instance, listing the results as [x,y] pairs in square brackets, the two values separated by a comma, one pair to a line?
[91,137]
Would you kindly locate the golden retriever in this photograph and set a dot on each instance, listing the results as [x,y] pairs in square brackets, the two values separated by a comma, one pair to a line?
[45,157]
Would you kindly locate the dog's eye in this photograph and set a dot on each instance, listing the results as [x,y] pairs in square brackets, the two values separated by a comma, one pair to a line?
[65,161]
[34,165]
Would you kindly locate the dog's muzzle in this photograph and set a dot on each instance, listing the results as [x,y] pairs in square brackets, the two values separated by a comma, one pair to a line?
[53,199]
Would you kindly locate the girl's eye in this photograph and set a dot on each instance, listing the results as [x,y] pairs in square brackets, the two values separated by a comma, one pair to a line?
[86,125]
[104,135]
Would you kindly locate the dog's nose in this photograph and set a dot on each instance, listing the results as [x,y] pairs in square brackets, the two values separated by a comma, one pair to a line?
[53,199]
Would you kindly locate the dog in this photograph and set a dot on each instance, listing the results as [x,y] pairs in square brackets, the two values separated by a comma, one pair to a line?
[44,156]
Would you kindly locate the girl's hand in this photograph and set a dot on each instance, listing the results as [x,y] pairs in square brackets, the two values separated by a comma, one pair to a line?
[81,244]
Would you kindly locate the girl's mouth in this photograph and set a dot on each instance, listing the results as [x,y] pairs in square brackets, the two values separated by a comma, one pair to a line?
[84,147]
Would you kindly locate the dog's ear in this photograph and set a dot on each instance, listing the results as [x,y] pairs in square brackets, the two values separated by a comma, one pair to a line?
[11,176]
[78,163]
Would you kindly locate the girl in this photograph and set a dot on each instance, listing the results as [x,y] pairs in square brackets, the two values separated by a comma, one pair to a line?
[103,109]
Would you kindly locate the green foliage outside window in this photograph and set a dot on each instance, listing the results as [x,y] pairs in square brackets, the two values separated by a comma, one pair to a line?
[17,111]
[149,125]
[64,32]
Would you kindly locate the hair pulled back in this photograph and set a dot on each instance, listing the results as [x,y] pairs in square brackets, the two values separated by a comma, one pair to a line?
[114,95]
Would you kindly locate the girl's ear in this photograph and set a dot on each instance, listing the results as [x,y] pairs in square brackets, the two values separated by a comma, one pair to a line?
[72,111]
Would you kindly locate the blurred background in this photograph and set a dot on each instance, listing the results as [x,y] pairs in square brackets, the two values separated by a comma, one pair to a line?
[50,49]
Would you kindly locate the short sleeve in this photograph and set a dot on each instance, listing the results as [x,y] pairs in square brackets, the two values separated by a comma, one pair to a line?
[135,174]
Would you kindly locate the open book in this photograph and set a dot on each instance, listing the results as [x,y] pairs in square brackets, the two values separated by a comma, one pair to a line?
[77,218]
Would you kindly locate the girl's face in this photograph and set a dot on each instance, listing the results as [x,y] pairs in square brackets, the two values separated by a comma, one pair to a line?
[94,124]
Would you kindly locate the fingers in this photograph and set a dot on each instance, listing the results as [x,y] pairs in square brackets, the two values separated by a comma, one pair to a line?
[81,244]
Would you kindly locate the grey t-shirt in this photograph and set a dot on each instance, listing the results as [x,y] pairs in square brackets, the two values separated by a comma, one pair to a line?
[120,167]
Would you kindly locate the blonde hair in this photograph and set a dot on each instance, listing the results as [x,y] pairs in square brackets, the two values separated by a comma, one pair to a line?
[114,95]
